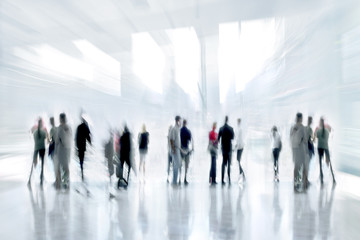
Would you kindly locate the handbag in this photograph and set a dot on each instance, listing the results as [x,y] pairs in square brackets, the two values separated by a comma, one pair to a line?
[51,148]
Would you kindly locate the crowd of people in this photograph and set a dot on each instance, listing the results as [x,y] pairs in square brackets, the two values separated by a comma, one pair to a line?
[119,150]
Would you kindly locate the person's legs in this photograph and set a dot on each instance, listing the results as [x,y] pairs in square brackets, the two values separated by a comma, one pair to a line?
[81,154]
[65,164]
[142,164]
[42,155]
[213,169]
[176,165]
[33,164]
[187,159]
[327,154]
[229,166]
[128,173]
[276,161]
[297,163]
[274,156]
[57,173]
[169,162]
[321,154]
[224,162]
[238,157]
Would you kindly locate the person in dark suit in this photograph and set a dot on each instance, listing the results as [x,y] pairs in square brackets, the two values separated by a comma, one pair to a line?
[226,135]
[82,135]
[125,154]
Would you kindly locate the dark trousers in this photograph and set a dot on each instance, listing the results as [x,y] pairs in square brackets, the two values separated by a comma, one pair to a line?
[122,170]
[81,154]
[226,161]
[321,152]
[213,169]
[276,154]
[238,157]
[41,153]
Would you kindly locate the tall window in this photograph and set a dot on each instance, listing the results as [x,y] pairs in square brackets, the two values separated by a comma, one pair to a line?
[258,42]
[148,61]
[245,50]
[227,56]
[187,58]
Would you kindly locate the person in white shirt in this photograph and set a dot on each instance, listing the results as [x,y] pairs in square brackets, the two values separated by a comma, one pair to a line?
[299,145]
[239,146]
[63,144]
[276,146]
[175,148]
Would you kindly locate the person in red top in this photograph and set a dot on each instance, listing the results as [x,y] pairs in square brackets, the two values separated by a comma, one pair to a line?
[213,147]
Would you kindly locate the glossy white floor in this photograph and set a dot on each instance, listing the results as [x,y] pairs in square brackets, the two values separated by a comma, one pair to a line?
[259,209]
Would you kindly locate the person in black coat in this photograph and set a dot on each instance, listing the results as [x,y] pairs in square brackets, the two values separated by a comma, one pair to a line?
[83,134]
[226,135]
[125,153]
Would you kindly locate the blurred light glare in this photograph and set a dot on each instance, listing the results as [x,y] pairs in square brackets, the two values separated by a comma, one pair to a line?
[107,70]
[148,61]
[258,41]
[187,58]
[49,58]
[245,51]
[228,59]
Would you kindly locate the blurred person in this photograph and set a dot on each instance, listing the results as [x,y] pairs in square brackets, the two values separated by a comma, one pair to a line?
[175,148]
[51,152]
[125,155]
[322,136]
[83,134]
[143,140]
[186,138]
[226,135]
[299,145]
[239,147]
[276,146]
[169,154]
[310,150]
[63,144]
[109,153]
[40,135]
[213,149]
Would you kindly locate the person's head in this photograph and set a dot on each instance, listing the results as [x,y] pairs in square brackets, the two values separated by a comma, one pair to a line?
[143,128]
[239,121]
[299,117]
[214,126]
[322,122]
[126,129]
[310,120]
[40,123]
[62,118]
[184,122]
[52,121]
[274,129]
[178,120]
[226,119]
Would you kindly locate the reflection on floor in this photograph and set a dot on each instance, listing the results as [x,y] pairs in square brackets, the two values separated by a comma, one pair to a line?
[258,209]
[159,211]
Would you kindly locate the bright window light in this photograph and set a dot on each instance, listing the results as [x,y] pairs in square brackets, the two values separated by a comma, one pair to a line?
[187,58]
[148,61]
[95,69]
[227,56]
[244,51]
[50,59]
[107,70]
[258,42]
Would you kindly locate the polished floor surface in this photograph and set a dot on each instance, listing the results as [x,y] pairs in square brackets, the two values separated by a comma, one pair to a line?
[258,209]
